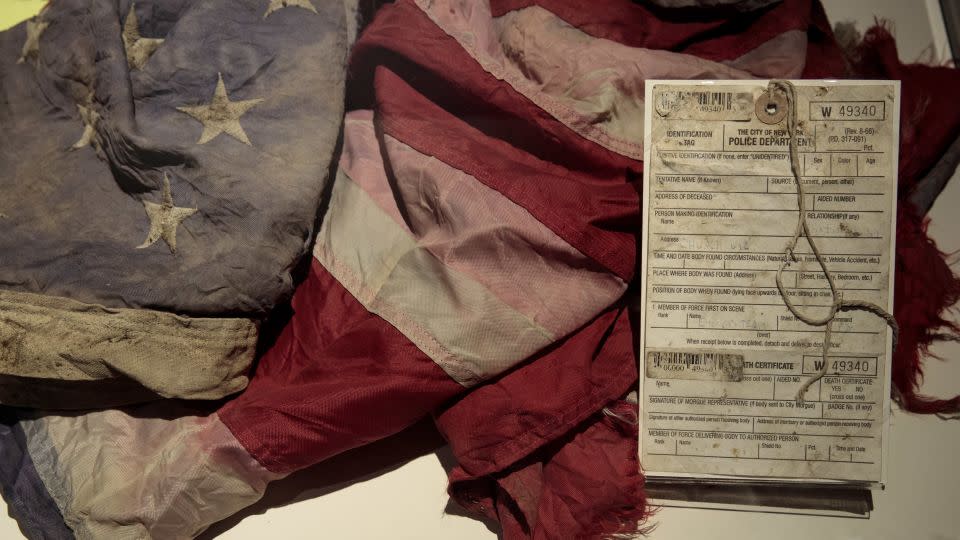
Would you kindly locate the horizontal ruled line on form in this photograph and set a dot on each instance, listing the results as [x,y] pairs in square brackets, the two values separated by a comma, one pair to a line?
[707,174]
[794,210]
[761,270]
[719,286]
[763,433]
[790,193]
[762,416]
[780,253]
[845,237]
[820,331]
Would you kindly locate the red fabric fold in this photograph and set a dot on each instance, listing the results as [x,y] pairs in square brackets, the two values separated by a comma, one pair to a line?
[404,40]
[535,453]
[929,117]
[338,377]
[596,216]
[586,484]
[717,33]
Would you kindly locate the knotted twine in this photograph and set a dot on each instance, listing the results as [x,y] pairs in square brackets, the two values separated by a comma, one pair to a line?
[838,303]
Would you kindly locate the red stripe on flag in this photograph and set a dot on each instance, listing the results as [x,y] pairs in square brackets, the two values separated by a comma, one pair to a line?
[534,453]
[405,40]
[503,421]
[338,377]
[719,33]
[600,218]
[624,21]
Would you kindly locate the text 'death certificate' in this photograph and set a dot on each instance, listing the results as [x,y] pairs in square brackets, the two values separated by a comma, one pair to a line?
[722,356]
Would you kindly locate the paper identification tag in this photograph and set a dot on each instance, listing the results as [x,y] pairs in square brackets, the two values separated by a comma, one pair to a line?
[723,355]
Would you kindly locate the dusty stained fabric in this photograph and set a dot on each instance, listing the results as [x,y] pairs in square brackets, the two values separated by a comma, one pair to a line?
[29,503]
[138,48]
[93,124]
[174,453]
[131,349]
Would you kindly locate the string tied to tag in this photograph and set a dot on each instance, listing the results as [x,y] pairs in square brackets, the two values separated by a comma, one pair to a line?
[783,94]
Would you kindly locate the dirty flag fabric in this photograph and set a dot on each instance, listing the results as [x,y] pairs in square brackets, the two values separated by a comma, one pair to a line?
[161,165]
[473,263]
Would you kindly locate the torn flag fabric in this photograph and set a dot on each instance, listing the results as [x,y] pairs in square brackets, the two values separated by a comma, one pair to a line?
[473,263]
[162,165]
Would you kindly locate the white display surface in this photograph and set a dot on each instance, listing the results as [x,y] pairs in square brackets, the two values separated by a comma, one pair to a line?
[408,502]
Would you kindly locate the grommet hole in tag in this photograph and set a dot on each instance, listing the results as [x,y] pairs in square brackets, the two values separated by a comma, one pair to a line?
[770,108]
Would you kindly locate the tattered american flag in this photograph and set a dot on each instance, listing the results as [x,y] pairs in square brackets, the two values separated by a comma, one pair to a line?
[473,249]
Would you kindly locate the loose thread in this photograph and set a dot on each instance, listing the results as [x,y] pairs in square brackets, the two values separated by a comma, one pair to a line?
[838,304]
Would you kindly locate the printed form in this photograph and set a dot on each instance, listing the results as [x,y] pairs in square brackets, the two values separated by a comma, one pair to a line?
[722,356]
